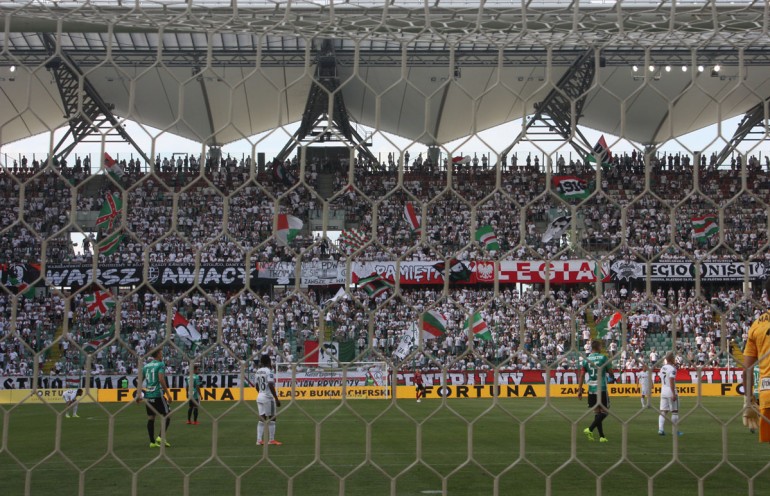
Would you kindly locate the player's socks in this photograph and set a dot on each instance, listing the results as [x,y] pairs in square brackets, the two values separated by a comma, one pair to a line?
[600,425]
[195,416]
[151,430]
[75,411]
[661,423]
[260,431]
[271,430]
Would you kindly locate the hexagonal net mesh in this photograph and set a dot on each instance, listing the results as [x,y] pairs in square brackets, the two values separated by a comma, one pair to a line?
[424,214]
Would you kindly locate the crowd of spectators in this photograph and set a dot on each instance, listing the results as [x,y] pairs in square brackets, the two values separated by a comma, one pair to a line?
[182,212]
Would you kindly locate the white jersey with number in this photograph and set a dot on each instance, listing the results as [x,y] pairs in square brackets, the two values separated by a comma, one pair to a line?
[70,395]
[667,372]
[263,379]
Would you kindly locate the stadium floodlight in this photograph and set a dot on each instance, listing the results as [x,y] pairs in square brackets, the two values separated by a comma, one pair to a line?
[12,68]
[700,68]
[652,68]
[668,68]
[684,68]
[635,68]
[717,68]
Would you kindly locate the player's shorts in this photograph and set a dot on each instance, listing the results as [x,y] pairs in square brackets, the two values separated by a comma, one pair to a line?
[69,395]
[160,405]
[669,404]
[193,403]
[764,425]
[593,398]
[645,392]
[419,387]
[266,407]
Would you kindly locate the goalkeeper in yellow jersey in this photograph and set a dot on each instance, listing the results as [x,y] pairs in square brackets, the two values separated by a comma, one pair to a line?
[756,376]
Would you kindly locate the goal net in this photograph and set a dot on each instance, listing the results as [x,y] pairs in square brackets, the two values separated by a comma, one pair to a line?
[431,208]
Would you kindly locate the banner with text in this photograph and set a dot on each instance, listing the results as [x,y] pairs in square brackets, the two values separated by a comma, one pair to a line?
[358,375]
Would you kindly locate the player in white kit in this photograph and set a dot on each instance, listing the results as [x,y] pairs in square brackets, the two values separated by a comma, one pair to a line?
[267,400]
[70,397]
[669,399]
[644,385]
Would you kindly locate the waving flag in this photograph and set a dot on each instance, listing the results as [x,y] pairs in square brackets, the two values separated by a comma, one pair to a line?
[109,215]
[608,323]
[352,239]
[97,342]
[485,235]
[414,220]
[458,271]
[570,187]
[460,160]
[558,227]
[185,330]
[287,229]
[705,226]
[433,325]
[374,285]
[282,174]
[110,244]
[477,327]
[601,152]
[112,168]
[99,303]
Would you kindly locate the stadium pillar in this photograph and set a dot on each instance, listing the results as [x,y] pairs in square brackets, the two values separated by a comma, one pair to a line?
[260,163]
[434,154]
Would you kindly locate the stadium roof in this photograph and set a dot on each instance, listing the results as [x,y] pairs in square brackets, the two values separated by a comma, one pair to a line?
[433,72]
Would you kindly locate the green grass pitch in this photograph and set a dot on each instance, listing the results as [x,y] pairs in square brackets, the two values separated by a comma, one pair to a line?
[362,447]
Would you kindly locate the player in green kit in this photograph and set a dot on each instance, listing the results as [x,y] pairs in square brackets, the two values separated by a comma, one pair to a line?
[596,365]
[154,373]
[194,395]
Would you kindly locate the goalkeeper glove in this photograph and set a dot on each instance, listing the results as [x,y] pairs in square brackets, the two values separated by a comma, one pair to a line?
[751,415]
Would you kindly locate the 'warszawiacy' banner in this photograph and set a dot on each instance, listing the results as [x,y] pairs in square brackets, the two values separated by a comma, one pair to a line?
[18,277]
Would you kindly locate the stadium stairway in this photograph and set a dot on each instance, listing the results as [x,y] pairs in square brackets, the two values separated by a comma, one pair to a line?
[54,353]
[326,185]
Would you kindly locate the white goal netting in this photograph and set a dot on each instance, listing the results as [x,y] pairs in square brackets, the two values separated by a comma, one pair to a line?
[381,195]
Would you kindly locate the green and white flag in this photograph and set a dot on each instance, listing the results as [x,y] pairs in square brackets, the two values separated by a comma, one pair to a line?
[99,303]
[485,235]
[110,244]
[113,168]
[433,325]
[705,226]
[109,215]
[97,342]
[607,323]
[477,328]
[570,187]
[287,229]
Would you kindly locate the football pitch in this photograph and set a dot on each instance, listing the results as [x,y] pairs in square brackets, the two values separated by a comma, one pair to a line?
[377,447]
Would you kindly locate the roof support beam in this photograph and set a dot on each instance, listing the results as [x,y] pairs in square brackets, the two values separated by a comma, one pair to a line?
[553,118]
[754,123]
[321,119]
[90,118]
